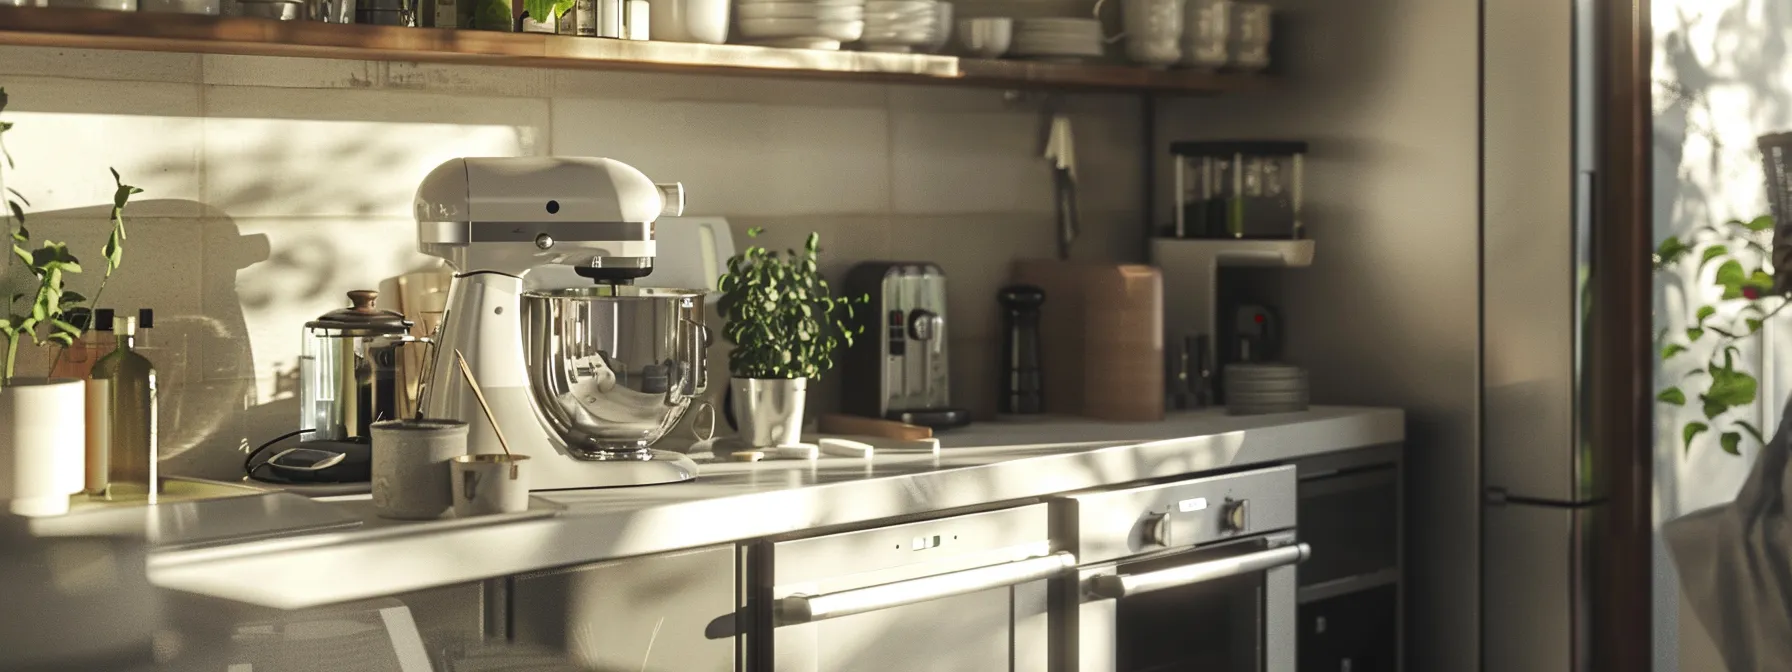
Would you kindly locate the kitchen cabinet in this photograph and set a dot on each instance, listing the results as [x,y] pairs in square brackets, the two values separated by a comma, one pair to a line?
[965,593]
[672,612]
[1350,615]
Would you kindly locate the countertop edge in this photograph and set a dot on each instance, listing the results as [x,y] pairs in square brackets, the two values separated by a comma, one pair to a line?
[390,561]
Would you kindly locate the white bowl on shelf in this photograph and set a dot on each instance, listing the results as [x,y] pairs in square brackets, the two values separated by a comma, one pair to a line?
[818,3]
[900,6]
[820,43]
[761,29]
[986,37]
[800,10]
[701,21]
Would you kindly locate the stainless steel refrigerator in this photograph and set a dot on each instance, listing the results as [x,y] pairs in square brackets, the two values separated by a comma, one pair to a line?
[1548,236]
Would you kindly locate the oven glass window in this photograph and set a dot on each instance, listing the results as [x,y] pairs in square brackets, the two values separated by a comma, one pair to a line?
[1214,626]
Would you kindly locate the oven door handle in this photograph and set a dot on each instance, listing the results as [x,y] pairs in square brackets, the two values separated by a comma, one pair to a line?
[1123,585]
[801,608]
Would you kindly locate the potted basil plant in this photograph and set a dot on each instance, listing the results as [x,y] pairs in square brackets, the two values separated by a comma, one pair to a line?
[785,324]
[43,420]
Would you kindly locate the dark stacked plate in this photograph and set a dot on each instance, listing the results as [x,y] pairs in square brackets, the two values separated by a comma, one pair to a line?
[1255,389]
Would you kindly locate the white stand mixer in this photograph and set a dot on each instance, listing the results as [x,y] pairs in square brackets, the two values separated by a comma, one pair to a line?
[582,372]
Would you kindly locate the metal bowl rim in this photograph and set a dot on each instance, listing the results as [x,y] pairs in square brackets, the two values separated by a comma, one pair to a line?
[639,293]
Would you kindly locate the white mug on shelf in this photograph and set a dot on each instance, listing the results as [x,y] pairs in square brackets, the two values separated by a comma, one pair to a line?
[1207,30]
[1249,44]
[1153,31]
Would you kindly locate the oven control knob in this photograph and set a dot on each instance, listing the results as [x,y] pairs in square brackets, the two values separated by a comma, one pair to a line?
[1235,515]
[1157,529]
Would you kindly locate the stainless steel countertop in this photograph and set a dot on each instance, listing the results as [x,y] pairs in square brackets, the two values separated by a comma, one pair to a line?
[981,464]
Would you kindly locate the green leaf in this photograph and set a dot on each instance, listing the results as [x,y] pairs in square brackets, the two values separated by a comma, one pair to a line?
[1754,325]
[753,232]
[22,254]
[1694,334]
[1752,431]
[1705,313]
[1672,395]
[1729,441]
[65,327]
[1729,388]
[1730,274]
[1759,279]
[1691,430]
[1670,251]
[1710,253]
[1762,223]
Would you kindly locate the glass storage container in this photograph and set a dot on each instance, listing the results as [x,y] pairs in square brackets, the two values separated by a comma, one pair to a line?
[1238,189]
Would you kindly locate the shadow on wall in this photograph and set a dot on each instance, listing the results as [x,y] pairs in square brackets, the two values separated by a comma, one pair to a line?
[229,308]
[1719,84]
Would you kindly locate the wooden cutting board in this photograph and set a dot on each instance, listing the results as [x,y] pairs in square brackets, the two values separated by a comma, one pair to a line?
[1101,338]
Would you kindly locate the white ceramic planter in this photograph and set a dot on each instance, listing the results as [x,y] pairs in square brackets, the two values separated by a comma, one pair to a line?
[769,411]
[43,437]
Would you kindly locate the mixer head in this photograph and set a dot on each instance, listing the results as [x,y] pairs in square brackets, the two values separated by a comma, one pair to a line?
[516,215]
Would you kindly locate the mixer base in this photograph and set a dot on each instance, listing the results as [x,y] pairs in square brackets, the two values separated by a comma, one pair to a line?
[555,471]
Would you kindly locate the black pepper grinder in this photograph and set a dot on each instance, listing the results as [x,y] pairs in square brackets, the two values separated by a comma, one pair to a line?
[1021,387]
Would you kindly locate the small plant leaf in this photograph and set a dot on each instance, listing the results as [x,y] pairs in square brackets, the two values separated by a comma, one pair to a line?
[1672,395]
[1694,334]
[1729,388]
[1730,441]
[1705,313]
[754,232]
[1670,251]
[1692,429]
[1710,253]
[65,327]
[1762,223]
[1754,325]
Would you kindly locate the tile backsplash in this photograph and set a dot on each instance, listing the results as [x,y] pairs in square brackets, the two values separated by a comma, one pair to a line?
[275,185]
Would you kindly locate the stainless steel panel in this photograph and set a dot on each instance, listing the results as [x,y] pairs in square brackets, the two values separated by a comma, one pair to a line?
[1534,588]
[1107,525]
[898,552]
[1255,612]
[647,613]
[976,632]
[1534,257]
[1124,584]
[991,629]
[807,608]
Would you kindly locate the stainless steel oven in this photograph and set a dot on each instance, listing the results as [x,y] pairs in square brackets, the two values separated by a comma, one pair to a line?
[1188,575]
[961,594]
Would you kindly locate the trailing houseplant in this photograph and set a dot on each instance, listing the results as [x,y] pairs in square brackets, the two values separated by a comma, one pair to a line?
[1735,254]
[42,420]
[785,324]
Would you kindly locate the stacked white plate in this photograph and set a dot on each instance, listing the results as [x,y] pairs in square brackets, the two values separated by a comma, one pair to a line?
[900,25]
[1254,389]
[1057,39]
[800,24]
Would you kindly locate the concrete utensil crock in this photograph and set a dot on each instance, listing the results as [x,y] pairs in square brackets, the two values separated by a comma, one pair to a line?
[410,466]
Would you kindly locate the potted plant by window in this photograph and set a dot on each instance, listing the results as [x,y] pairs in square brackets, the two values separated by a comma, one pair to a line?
[785,324]
[43,420]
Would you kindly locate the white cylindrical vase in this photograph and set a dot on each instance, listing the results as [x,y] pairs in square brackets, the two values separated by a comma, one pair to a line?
[43,437]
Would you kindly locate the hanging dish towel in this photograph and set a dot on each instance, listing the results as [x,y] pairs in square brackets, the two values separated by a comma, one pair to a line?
[1735,563]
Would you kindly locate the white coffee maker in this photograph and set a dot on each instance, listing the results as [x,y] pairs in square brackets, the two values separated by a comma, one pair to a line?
[583,370]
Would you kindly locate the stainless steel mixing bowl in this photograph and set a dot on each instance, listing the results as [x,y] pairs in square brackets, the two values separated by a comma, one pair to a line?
[612,369]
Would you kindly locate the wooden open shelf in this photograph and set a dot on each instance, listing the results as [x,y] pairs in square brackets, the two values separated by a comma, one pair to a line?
[95,29]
